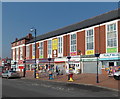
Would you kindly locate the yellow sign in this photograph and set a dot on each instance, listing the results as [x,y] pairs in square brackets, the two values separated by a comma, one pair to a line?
[33,57]
[90,52]
[54,44]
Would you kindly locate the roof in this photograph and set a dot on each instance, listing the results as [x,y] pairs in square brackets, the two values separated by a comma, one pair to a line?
[112,15]
[26,38]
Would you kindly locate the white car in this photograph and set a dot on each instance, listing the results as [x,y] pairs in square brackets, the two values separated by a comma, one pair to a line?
[117,75]
[10,74]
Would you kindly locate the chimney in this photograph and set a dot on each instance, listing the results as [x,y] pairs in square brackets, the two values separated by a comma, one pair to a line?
[29,36]
[16,39]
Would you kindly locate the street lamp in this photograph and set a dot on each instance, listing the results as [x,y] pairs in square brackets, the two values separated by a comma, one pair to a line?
[68,57]
[49,59]
[79,51]
[34,30]
[97,55]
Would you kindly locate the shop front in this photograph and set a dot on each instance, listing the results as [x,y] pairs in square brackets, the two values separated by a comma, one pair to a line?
[40,64]
[110,61]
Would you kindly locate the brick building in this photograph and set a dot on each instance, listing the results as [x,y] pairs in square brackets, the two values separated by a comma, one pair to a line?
[100,34]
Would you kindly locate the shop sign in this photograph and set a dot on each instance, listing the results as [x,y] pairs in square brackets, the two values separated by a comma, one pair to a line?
[33,57]
[89,52]
[111,50]
[73,53]
[41,56]
[54,44]
[111,55]
[89,60]
[21,67]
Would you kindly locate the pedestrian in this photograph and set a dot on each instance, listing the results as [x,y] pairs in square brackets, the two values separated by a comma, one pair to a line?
[57,70]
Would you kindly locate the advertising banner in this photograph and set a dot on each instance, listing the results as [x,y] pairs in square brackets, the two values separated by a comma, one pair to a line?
[54,44]
[111,50]
[89,52]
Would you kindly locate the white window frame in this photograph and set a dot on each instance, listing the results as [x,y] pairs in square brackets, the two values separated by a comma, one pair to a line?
[21,53]
[33,50]
[41,47]
[74,45]
[86,38]
[111,36]
[27,51]
[17,53]
[49,48]
[60,46]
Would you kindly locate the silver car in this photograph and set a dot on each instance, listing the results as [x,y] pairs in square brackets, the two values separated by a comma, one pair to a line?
[10,74]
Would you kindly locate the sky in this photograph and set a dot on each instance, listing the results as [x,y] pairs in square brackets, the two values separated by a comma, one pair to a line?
[19,17]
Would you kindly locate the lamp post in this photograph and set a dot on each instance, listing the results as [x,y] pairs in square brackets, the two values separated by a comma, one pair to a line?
[97,79]
[34,30]
[49,59]
[68,57]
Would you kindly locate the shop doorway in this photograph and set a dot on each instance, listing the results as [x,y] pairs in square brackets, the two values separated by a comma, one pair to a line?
[111,63]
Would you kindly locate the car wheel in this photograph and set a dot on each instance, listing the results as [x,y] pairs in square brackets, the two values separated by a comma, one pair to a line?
[117,77]
[7,77]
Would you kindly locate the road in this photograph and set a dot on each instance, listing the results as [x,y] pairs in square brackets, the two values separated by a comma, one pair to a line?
[38,88]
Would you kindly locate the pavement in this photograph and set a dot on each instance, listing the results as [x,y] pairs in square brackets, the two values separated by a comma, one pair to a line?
[84,79]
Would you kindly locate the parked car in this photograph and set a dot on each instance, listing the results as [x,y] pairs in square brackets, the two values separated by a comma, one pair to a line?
[10,74]
[117,75]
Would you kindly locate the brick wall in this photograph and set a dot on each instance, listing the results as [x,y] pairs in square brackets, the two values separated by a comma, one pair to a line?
[81,42]
[102,39]
[45,49]
[37,50]
[66,45]
[30,54]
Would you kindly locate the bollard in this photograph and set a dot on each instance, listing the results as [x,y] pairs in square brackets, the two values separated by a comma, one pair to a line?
[50,75]
[37,75]
[71,77]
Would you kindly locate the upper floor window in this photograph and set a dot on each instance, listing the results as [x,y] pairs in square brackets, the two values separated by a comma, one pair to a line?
[73,43]
[33,51]
[49,47]
[21,55]
[60,44]
[111,35]
[17,53]
[27,51]
[89,40]
[41,50]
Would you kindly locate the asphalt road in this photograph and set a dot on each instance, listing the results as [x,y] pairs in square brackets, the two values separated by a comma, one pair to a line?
[38,88]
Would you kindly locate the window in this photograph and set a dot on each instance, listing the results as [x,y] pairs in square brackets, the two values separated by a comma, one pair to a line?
[41,49]
[89,40]
[33,50]
[73,43]
[111,35]
[17,52]
[60,44]
[49,47]
[27,51]
[21,51]
[13,54]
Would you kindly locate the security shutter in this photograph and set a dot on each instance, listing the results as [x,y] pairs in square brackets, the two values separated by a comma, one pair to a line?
[90,67]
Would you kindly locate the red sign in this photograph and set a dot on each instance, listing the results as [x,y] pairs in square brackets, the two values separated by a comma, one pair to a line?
[21,67]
